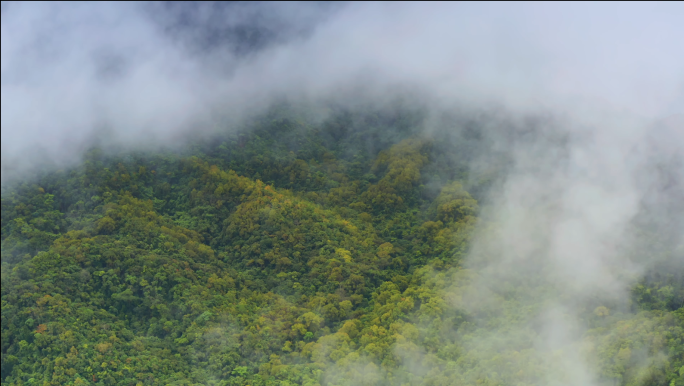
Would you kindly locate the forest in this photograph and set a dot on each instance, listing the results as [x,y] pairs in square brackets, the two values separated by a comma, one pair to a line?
[292,251]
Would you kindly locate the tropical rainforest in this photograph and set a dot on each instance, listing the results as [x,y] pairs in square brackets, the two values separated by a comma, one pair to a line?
[292,252]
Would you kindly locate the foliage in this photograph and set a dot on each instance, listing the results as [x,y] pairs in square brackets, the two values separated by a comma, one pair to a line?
[278,256]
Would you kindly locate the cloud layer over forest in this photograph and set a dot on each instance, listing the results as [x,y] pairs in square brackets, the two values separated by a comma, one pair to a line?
[148,72]
[610,76]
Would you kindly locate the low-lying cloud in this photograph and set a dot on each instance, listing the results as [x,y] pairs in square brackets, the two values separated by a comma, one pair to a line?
[147,72]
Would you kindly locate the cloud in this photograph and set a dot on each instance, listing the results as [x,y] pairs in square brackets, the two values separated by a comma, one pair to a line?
[130,73]
[149,72]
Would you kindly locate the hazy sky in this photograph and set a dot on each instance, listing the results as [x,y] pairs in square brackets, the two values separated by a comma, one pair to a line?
[146,72]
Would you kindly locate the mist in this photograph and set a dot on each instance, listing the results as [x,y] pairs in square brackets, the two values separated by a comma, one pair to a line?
[609,75]
[147,73]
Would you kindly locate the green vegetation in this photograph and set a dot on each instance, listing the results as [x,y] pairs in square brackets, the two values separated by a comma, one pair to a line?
[286,254]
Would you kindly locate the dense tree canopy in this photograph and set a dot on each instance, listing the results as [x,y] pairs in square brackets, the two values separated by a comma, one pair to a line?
[284,254]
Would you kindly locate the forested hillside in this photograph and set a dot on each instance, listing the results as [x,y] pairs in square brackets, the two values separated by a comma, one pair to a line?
[291,253]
